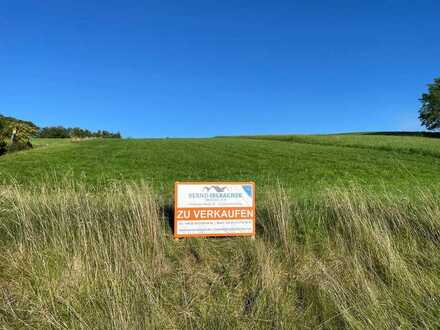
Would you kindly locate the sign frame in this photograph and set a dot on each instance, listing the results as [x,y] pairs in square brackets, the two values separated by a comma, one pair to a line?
[254,209]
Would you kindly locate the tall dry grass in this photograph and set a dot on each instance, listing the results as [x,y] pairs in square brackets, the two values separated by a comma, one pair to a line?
[76,258]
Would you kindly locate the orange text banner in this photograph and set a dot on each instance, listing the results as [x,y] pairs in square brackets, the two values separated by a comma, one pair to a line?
[215,214]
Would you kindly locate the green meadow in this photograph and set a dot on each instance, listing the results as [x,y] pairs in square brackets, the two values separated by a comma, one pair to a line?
[348,235]
[303,163]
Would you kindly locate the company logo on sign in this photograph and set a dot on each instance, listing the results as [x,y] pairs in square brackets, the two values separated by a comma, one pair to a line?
[214,209]
[216,188]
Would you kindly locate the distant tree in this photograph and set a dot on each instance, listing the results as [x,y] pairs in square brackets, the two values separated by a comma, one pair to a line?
[53,132]
[15,134]
[77,132]
[429,113]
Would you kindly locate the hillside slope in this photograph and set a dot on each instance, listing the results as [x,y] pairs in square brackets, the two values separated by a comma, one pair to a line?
[355,256]
[304,163]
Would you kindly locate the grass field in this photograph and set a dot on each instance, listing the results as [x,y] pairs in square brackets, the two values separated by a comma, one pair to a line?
[348,235]
[304,164]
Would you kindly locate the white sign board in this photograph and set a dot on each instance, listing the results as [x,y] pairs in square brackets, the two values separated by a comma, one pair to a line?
[214,209]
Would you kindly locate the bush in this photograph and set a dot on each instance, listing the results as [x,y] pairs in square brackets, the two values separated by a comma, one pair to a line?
[19,146]
[3,147]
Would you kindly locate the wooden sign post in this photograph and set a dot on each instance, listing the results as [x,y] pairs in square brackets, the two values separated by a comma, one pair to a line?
[204,209]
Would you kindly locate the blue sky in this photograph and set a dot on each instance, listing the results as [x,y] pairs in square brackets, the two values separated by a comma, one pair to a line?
[205,68]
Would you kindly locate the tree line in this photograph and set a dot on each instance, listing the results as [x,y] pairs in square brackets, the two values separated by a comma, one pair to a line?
[61,132]
[16,134]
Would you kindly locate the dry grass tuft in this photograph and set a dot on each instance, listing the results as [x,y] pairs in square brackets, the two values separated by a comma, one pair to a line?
[72,257]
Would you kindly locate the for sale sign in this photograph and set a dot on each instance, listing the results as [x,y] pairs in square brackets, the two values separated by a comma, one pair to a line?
[214,209]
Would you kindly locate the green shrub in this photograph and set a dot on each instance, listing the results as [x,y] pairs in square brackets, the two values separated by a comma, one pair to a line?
[3,147]
[17,146]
